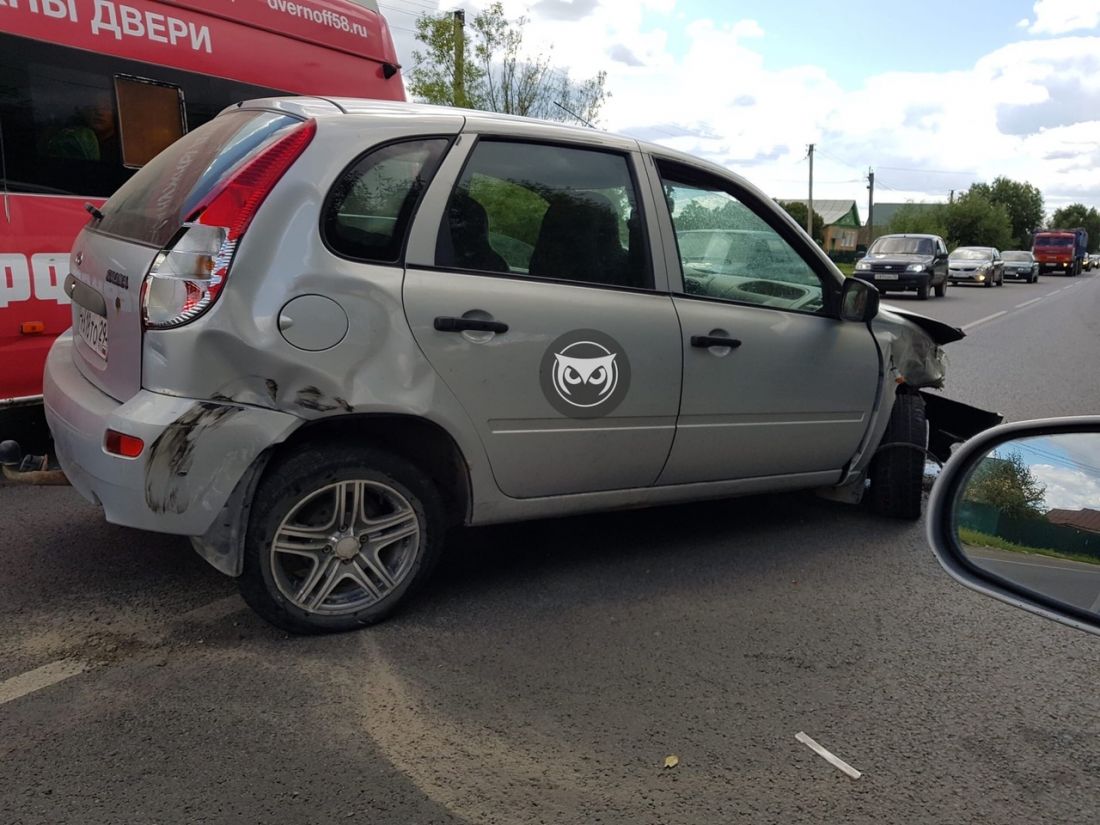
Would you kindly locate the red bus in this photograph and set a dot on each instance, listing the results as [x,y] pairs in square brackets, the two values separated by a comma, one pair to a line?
[92,89]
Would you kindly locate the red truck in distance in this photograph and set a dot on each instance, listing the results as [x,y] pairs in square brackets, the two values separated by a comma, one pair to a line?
[1064,249]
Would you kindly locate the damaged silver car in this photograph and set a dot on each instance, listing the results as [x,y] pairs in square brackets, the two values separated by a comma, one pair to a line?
[313,334]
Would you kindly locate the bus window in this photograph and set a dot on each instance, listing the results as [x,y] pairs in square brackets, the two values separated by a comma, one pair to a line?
[150,118]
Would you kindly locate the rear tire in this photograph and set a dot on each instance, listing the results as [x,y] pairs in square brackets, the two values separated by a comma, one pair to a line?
[359,530]
[897,472]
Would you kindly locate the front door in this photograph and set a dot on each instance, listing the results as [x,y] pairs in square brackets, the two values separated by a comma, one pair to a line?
[772,385]
[540,315]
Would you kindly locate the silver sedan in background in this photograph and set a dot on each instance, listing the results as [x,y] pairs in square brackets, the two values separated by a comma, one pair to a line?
[976,265]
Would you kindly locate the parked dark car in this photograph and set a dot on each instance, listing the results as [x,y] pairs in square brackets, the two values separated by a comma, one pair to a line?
[1020,265]
[976,265]
[906,263]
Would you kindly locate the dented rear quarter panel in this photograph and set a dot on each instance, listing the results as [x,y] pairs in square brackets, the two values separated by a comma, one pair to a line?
[235,353]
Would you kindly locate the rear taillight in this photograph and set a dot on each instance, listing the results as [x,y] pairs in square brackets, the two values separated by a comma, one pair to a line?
[188,274]
[127,446]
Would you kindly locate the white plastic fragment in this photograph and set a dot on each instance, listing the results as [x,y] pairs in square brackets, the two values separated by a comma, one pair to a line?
[831,758]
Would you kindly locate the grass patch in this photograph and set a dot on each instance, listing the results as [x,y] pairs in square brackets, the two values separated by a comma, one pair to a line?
[976,539]
[847,269]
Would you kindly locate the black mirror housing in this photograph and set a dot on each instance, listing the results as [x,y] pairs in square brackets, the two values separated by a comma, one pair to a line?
[859,301]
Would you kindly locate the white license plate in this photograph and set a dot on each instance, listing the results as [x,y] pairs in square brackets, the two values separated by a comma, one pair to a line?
[92,329]
[886,276]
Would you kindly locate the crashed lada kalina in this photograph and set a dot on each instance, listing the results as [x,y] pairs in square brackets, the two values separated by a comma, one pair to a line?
[313,334]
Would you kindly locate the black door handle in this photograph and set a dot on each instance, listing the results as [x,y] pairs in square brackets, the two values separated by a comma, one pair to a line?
[444,324]
[714,341]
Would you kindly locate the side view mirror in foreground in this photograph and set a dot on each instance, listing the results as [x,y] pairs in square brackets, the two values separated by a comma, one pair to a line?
[1015,514]
[858,301]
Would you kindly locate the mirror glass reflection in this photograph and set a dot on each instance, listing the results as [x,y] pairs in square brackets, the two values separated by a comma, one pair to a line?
[1030,513]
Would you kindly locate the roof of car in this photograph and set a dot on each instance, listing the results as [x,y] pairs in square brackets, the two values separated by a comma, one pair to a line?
[906,235]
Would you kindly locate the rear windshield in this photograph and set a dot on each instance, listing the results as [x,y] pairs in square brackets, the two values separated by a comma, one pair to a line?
[1054,240]
[1017,256]
[150,207]
[901,246]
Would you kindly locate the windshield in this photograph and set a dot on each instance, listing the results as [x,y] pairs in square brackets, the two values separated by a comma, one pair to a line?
[902,246]
[970,253]
[1025,257]
[1054,240]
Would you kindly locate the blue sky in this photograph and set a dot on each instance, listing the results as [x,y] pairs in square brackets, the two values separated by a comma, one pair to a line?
[934,95]
[858,38]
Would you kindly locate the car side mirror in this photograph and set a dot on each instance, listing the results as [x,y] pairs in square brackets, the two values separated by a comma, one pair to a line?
[1015,514]
[858,301]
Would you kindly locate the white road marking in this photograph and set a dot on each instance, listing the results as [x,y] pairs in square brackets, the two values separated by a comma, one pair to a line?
[1032,301]
[1055,292]
[973,324]
[41,677]
[832,759]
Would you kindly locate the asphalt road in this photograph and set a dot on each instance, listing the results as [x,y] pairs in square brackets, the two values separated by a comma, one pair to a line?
[550,668]
[1073,582]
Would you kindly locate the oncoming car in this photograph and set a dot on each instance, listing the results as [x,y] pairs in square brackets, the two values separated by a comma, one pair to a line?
[314,334]
[906,263]
[1020,265]
[976,265]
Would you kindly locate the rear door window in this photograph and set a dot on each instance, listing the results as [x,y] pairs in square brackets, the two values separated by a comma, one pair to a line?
[547,211]
[153,204]
[367,214]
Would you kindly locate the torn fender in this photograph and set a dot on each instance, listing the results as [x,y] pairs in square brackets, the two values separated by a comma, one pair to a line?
[940,332]
[951,422]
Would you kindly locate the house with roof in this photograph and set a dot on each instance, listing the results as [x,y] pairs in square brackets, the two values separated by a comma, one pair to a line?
[1084,519]
[842,223]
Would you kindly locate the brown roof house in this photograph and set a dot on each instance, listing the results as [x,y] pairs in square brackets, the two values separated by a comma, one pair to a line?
[842,223]
[1083,519]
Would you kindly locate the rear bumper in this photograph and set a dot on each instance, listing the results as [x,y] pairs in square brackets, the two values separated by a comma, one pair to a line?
[195,451]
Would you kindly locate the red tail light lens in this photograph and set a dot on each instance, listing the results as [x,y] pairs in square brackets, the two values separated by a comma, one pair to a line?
[187,275]
[127,446]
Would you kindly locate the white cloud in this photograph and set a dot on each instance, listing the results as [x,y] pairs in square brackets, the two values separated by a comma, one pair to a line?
[1068,488]
[1063,16]
[1029,110]
[1023,24]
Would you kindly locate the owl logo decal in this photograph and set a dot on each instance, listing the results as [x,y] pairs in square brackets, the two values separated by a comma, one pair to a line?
[585,374]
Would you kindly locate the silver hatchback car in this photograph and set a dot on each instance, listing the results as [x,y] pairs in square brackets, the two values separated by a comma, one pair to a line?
[313,334]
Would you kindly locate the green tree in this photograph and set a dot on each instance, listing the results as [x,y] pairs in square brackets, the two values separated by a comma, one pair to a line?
[1023,203]
[1077,214]
[1008,484]
[920,219]
[972,220]
[498,76]
[798,210]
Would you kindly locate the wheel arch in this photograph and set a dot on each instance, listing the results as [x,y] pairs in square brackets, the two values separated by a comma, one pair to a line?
[419,440]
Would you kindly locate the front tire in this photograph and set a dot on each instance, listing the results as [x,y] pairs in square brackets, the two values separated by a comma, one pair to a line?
[339,538]
[941,289]
[897,470]
[922,291]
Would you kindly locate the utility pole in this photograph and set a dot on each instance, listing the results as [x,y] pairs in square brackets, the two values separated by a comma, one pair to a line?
[870,205]
[459,92]
[951,197]
[810,210]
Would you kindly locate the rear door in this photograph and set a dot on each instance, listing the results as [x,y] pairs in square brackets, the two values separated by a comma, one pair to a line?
[773,385]
[112,255]
[538,307]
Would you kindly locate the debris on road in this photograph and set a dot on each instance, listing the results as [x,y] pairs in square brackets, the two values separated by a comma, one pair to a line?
[672,761]
[829,757]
